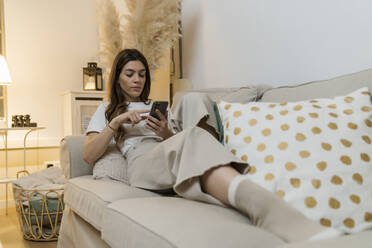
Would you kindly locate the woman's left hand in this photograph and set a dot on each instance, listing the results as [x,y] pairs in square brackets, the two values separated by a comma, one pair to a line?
[160,127]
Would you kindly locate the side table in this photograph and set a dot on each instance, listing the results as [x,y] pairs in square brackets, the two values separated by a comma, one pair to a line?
[4,132]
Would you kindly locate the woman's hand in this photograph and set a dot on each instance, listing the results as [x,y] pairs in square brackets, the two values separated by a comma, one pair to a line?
[160,127]
[130,117]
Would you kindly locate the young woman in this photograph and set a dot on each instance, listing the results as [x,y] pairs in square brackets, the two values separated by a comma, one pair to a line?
[191,162]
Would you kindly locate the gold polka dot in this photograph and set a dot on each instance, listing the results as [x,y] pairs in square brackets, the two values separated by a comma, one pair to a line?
[368,123]
[365,157]
[334,115]
[326,146]
[227,139]
[365,93]
[297,108]
[334,203]
[321,165]
[266,132]
[332,125]
[352,125]
[269,177]
[366,109]
[349,99]
[290,166]
[366,139]
[237,130]
[284,127]
[313,115]
[313,101]
[316,106]
[316,130]
[316,183]
[349,222]
[269,117]
[295,182]
[269,159]
[255,109]
[244,158]
[283,112]
[348,112]
[218,102]
[252,122]
[310,202]
[261,147]
[355,199]
[358,178]
[332,106]
[248,139]
[346,143]
[304,154]
[252,170]
[272,105]
[228,106]
[325,222]
[237,113]
[233,151]
[368,217]
[283,145]
[280,193]
[345,159]
[283,103]
[227,124]
[336,180]
[300,119]
[300,137]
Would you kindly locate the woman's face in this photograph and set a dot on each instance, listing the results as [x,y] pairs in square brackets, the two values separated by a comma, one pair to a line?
[132,79]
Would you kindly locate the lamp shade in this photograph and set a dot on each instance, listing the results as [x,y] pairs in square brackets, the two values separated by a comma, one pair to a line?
[4,72]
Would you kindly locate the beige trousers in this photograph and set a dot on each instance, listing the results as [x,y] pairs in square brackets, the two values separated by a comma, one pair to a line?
[179,161]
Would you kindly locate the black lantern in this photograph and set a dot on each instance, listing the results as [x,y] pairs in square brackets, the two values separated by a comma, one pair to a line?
[92,77]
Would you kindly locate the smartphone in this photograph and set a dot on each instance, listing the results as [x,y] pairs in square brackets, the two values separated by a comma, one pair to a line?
[161,105]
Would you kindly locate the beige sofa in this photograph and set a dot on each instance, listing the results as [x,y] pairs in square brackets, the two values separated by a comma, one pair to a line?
[107,213]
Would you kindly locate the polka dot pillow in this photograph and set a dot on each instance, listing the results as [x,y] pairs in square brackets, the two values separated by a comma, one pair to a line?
[315,154]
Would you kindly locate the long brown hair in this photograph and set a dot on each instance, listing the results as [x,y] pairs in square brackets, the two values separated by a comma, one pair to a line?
[118,102]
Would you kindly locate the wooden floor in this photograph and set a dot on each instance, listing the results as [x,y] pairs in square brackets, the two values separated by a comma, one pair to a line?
[11,235]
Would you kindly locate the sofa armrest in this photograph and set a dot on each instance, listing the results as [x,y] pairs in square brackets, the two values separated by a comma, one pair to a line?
[71,157]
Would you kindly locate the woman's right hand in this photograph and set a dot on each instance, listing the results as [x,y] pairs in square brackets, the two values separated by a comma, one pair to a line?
[130,117]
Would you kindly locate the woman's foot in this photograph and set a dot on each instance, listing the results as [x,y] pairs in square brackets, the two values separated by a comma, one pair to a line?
[268,211]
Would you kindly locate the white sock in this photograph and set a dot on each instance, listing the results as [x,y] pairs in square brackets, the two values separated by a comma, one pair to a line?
[326,234]
[232,189]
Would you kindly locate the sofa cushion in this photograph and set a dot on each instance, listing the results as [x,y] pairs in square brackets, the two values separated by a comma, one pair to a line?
[320,89]
[177,222]
[111,165]
[314,154]
[357,240]
[89,197]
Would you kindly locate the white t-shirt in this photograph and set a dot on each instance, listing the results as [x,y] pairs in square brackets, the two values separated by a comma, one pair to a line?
[133,135]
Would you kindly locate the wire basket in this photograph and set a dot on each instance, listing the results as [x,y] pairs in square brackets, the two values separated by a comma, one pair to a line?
[39,212]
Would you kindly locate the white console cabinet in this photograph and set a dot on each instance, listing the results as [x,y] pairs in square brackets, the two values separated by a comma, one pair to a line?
[78,108]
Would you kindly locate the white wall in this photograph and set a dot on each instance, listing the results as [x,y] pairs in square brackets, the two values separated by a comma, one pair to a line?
[234,43]
[47,44]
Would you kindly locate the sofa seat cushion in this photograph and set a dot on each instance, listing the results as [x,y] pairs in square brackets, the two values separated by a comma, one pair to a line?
[360,240]
[177,222]
[89,197]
